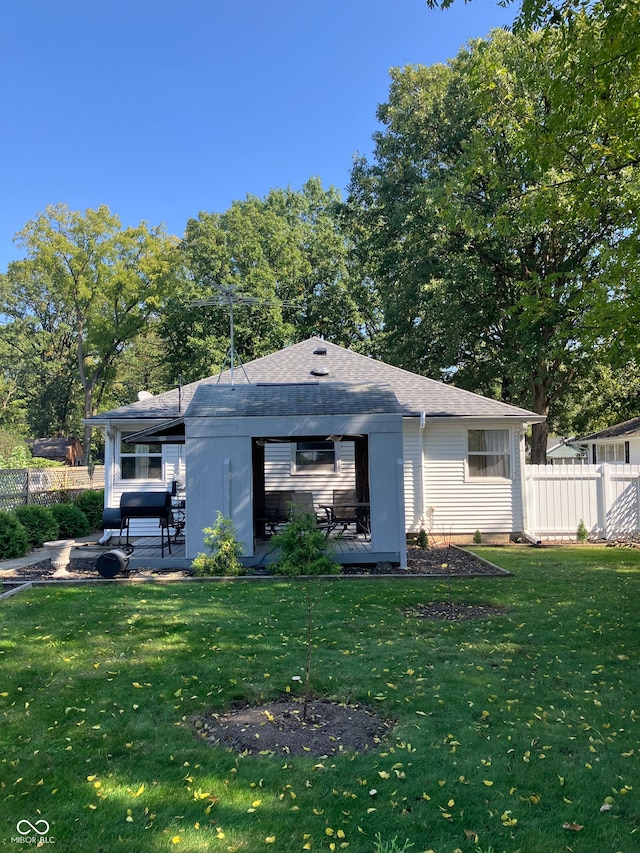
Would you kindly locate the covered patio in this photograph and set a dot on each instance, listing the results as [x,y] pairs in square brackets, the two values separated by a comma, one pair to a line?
[225,430]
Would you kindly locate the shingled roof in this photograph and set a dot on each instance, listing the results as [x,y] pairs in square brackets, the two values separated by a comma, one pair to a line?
[626,429]
[301,398]
[320,362]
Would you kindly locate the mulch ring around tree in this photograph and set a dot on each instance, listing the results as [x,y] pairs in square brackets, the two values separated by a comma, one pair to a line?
[278,728]
[453,611]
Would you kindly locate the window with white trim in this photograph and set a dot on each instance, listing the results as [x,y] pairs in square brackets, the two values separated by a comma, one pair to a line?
[314,457]
[140,461]
[489,453]
[611,452]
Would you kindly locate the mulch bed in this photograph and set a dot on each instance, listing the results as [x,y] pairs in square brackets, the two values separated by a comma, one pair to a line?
[438,562]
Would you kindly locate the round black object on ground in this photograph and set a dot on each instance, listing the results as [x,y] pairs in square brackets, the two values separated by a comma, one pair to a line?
[111,563]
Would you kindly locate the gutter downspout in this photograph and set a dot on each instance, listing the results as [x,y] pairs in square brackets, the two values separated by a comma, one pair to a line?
[423,423]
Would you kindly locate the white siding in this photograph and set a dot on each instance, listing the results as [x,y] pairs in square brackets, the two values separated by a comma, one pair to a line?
[412,442]
[278,476]
[173,468]
[457,503]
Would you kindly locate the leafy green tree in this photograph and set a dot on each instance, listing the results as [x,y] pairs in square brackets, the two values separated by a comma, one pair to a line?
[88,281]
[493,256]
[14,451]
[37,356]
[287,255]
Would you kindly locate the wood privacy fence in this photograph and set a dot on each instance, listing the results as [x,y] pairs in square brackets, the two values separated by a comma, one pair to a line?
[46,486]
[605,497]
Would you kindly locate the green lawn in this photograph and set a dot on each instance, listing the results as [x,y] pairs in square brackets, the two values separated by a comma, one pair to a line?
[507,728]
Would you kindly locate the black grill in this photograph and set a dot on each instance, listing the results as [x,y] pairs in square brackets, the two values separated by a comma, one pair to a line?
[141,505]
[146,505]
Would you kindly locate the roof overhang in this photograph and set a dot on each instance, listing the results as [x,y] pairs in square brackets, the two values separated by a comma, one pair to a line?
[170,432]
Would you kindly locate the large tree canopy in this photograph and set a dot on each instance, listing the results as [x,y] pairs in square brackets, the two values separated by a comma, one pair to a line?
[286,255]
[495,214]
[85,290]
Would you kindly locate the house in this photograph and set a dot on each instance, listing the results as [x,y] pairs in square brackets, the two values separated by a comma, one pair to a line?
[565,451]
[619,444]
[65,449]
[315,417]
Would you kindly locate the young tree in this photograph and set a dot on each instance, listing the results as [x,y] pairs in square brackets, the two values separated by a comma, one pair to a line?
[93,281]
[492,251]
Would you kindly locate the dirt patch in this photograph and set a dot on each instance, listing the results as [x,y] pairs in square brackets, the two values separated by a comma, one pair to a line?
[279,728]
[453,611]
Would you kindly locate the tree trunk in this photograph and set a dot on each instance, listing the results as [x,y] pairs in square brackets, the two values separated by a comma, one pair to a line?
[539,432]
[86,441]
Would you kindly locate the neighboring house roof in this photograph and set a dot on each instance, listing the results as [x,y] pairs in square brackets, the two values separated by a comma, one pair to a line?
[563,448]
[626,429]
[315,360]
[61,449]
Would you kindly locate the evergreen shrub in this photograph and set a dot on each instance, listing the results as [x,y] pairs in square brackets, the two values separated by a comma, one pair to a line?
[14,539]
[224,551]
[91,503]
[39,522]
[303,549]
[72,521]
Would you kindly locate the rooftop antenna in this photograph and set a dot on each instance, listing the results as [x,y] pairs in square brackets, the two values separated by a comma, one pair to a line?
[234,295]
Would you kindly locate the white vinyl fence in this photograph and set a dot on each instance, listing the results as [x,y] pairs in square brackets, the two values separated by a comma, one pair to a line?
[605,497]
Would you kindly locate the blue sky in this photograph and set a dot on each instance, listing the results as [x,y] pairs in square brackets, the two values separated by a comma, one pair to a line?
[163,108]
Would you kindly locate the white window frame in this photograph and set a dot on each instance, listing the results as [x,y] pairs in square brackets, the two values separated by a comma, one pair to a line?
[314,470]
[506,453]
[142,452]
[613,452]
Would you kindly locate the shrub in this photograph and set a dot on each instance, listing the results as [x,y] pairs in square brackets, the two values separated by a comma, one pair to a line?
[225,550]
[582,534]
[14,539]
[39,522]
[40,462]
[303,549]
[14,451]
[477,537]
[91,503]
[423,539]
[71,521]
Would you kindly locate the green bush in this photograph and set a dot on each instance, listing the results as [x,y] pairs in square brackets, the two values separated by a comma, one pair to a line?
[14,451]
[39,523]
[91,503]
[40,462]
[477,538]
[302,549]
[423,539]
[225,551]
[71,521]
[582,534]
[14,539]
